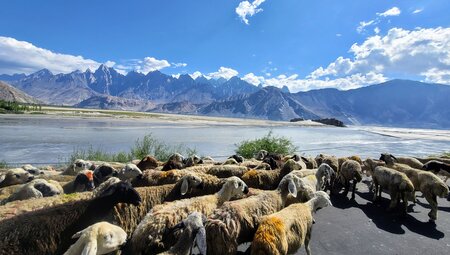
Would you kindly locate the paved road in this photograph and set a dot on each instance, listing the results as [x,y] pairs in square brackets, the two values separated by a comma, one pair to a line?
[362,227]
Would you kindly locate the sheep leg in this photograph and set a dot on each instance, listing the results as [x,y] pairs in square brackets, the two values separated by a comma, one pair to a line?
[432,200]
[354,188]
[347,187]
[307,239]
[394,200]
[405,202]
[375,184]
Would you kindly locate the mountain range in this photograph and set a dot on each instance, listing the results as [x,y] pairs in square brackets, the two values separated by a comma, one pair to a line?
[402,103]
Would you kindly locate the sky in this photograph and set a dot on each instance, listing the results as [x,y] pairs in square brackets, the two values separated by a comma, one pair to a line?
[303,44]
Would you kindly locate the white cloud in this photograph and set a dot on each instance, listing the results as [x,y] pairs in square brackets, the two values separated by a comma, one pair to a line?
[253,79]
[224,72]
[394,11]
[363,24]
[196,74]
[417,11]
[376,30]
[338,35]
[176,65]
[420,51]
[245,8]
[23,57]
[148,64]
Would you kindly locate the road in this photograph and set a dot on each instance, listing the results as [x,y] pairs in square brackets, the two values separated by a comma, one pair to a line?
[362,227]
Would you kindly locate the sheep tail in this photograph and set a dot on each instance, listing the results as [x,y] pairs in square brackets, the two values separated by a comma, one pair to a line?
[268,237]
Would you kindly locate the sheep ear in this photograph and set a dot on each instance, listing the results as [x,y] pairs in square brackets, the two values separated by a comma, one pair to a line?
[77,234]
[200,240]
[292,188]
[392,156]
[236,185]
[90,249]
[184,187]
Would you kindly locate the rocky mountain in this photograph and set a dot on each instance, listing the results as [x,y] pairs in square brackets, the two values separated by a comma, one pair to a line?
[394,103]
[75,87]
[267,103]
[9,93]
[115,103]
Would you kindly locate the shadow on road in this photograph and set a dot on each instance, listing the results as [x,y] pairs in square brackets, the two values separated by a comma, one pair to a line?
[391,222]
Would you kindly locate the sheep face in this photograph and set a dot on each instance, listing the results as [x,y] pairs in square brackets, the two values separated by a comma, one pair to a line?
[80,165]
[388,158]
[261,154]
[236,186]
[131,171]
[15,176]
[103,172]
[32,170]
[84,181]
[190,181]
[322,200]
[47,189]
[194,225]
[122,192]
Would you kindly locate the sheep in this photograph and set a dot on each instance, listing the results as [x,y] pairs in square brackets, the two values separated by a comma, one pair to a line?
[396,183]
[32,170]
[284,232]
[103,172]
[15,176]
[235,222]
[409,161]
[261,154]
[314,182]
[310,162]
[332,161]
[129,173]
[238,158]
[149,234]
[156,177]
[441,159]
[148,162]
[84,181]
[100,238]
[269,179]
[35,189]
[188,186]
[428,183]
[193,231]
[225,171]
[77,166]
[192,161]
[438,167]
[350,170]
[230,161]
[274,160]
[355,158]
[49,231]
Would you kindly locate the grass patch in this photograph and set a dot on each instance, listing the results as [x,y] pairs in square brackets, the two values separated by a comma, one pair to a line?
[269,142]
[3,164]
[148,145]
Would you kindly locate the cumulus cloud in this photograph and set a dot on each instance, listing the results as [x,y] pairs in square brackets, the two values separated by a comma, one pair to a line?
[224,72]
[245,8]
[420,51]
[394,11]
[148,64]
[196,74]
[253,79]
[24,57]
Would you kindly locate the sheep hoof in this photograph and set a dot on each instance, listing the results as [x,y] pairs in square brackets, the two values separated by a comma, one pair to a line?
[314,221]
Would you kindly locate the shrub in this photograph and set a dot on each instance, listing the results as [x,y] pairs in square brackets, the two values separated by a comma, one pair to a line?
[148,145]
[3,164]
[269,142]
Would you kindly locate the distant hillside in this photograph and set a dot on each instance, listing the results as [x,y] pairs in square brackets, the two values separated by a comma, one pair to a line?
[115,103]
[9,93]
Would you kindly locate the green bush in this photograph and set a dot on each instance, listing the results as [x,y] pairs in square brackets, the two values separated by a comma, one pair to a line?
[269,142]
[148,145]
[3,164]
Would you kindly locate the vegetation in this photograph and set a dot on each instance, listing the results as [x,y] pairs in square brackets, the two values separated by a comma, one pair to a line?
[269,142]
[148,145]
[15,107]
[3,164]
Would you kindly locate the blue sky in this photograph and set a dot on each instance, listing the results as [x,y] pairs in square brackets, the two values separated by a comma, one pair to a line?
[298,43]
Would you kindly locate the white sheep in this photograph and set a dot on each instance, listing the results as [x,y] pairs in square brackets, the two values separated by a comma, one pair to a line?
[129,172]
[193,232]
[235,222]
[35,189]
[315,182]
[15,176]
[284,232]
[428,183]
[149,235]
[100,238]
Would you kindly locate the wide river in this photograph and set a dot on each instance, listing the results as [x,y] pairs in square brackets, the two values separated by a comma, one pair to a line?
[51,139]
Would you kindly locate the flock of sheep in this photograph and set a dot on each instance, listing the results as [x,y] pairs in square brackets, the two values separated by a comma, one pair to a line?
[194,204]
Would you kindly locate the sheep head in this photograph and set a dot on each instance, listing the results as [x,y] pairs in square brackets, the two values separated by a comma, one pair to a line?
[190,181]
[122,192]
[84,181]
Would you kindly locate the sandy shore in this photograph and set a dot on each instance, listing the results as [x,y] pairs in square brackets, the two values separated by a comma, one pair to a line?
[165,117]
[409,133]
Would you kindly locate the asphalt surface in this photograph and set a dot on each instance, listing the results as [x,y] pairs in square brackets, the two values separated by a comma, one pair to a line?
[364,227]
